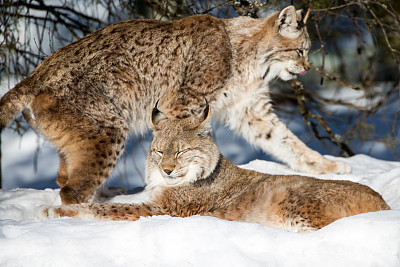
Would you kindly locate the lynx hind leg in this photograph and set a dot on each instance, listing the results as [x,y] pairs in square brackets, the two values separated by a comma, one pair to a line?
[62,176]
[298,213]
[89,135]
[90,162]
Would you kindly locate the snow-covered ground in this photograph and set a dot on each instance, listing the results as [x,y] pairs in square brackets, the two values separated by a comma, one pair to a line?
[371,239]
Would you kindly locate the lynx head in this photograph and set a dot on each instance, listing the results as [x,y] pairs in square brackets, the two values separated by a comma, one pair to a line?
[287,50]
[182,150]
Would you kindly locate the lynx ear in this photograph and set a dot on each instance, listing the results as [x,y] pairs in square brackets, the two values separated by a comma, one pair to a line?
[205,126]
[156,117]
[288,24]
[302,17]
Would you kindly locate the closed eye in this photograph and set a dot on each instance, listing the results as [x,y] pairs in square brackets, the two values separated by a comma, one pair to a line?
[179,153]
[159,152]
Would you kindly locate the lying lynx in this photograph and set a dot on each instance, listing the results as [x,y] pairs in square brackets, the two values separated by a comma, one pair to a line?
[186,175]
[86,97]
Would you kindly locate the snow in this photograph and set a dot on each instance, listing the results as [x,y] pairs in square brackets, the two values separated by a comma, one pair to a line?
[371,239]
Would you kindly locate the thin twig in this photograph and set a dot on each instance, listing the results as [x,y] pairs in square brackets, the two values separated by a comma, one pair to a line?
[333,137]
[334,78]
[322,47]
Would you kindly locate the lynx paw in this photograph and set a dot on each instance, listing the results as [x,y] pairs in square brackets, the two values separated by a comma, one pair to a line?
[325,166]
[340,167]
[43,213]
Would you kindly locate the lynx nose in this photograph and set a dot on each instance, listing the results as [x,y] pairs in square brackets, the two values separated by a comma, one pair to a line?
[306,66]
[167,171]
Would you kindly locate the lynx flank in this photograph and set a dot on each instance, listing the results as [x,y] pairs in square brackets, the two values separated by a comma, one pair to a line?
[186,175]
[88,96]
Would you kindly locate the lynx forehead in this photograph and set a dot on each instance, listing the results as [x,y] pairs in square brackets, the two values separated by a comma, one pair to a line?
[186,175]
[88,96]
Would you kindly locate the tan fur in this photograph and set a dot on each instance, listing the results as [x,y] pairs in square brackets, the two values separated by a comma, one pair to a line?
[88,96]
[223,190]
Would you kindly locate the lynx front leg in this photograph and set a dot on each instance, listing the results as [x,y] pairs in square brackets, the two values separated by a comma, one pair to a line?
[261,127]
[101,211]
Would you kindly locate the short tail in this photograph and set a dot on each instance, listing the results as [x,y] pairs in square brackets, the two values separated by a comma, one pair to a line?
[14,102]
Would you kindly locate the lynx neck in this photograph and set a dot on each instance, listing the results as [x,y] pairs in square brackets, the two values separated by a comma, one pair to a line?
[227,177]
[246,35]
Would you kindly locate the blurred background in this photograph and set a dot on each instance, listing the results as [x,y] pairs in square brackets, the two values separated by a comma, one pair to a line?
[349,103]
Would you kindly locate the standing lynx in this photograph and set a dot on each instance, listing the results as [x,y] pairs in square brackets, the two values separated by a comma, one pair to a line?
[186,175]
[88,96]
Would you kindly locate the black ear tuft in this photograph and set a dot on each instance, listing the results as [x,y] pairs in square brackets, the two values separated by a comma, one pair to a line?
[155,111]
[156,116]
[204,129]
[206,110]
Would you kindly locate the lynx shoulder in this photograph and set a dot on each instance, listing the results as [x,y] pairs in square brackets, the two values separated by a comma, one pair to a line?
[88,96]
[186,175]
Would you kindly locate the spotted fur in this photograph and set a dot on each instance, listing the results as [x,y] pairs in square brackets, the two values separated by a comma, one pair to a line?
[186,175]
[88,96]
